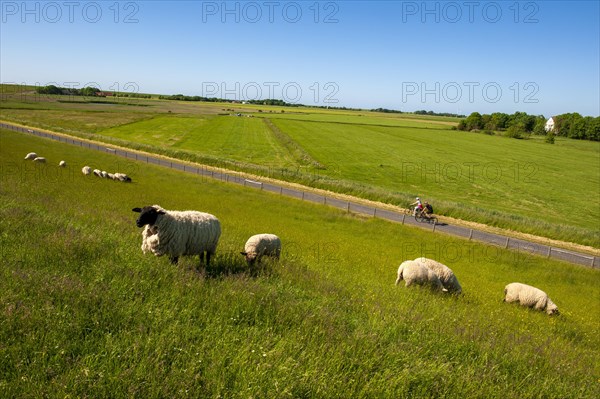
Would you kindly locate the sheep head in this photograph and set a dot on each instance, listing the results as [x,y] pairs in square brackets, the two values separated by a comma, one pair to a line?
[148,215]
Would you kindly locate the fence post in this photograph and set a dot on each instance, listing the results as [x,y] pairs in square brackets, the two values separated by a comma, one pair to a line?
[348,206]
[403,217]
[593,260]
[549,251]
[434,226]
[302,195]
[374,212]
[470,234]
[507,240]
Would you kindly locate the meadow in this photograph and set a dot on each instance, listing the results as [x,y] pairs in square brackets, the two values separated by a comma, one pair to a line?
[523,185]
[85,314]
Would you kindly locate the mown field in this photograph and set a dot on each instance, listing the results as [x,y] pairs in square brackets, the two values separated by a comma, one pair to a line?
[83,313]
[523,185]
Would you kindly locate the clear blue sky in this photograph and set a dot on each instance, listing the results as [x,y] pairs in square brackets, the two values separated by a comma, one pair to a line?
[541,57]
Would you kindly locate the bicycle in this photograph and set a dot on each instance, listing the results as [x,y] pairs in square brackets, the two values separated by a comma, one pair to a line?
[422,217]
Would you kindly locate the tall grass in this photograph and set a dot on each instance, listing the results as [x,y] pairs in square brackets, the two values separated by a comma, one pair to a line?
[85,314]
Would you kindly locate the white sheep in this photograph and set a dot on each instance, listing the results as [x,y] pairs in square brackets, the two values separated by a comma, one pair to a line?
[415,273]
[444,273]
[260,245]
[86,170]
[31,155]
[104,174]
[62,164]
[122,177]
[97,172]
[529,296]
[39,159]
[178,233]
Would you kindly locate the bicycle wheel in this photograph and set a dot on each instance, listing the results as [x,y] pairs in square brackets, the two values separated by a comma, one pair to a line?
[419,217]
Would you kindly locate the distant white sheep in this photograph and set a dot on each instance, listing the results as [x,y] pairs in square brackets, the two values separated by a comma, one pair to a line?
[62,164]
[530,297]
[39,159]
[178,233]
[121,177]
[415,273]
[31,155]
[97,172]
[86,170]
[444,273]
[260,245]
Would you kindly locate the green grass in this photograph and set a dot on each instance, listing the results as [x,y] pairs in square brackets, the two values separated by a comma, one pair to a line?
[523,185]
[83,313]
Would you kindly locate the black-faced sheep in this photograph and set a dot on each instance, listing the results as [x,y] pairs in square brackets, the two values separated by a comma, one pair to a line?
[529,296]
[444,273]
[260,245]
[415,273]
[178,233]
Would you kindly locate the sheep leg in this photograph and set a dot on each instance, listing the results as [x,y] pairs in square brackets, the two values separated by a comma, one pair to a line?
[174,259]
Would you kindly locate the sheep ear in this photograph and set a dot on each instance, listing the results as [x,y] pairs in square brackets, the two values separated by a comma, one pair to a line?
[138,210]
[162,212]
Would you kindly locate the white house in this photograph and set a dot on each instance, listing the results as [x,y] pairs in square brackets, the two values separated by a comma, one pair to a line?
[549,125]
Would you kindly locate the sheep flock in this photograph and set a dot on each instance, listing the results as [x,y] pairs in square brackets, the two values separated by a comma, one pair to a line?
[185,233]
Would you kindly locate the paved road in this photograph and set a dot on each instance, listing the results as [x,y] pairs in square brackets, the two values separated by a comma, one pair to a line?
[520,245]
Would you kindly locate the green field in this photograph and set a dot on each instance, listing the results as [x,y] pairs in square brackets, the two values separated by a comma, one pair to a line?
[85,314]
[523,185]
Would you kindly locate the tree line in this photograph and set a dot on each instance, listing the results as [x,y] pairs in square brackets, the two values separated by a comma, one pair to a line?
[521,125]
[88,91]
[68,91]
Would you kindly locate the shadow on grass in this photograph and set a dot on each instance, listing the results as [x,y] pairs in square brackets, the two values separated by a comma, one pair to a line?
[233,264]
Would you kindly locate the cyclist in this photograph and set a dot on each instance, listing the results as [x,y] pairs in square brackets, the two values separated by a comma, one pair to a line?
[427,210]
[419,206]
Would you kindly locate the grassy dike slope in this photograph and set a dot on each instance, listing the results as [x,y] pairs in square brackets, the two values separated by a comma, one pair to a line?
[83,313]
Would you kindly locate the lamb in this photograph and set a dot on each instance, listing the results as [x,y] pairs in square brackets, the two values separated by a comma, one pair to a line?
[529,296]
[39,159]
[260,245]
[86,170]
[62,164]
[31,155]
[178,233]
[414,272]
[444,273]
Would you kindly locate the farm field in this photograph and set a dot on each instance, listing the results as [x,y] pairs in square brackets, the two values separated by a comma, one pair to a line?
[522,185]
[90,315]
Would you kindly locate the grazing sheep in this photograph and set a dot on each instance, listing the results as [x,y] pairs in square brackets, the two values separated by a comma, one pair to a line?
[86,170]
[104,174]
[31,155]
[40,159]
[444,273]
[97,172]
[529,296]
[122,177]
[415,273]
[62,164]
[178,233]
[260,245]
